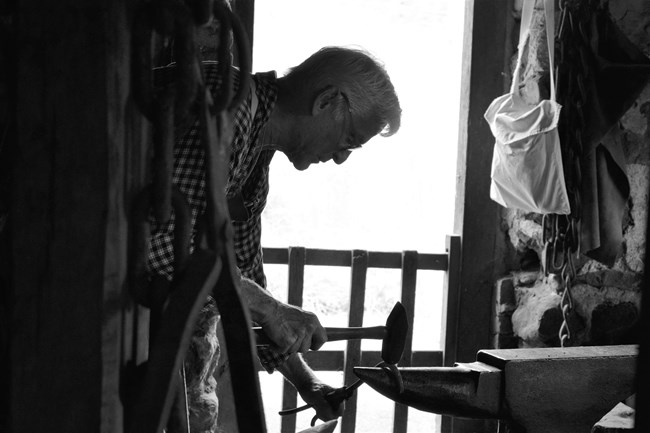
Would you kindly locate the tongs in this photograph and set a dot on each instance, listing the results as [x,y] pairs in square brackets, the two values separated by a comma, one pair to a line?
[339,395]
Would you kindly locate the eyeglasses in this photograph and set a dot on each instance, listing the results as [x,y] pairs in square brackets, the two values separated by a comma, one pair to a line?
[351,139]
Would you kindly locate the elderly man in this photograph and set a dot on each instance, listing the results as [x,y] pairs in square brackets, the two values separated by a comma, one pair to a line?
[321,110]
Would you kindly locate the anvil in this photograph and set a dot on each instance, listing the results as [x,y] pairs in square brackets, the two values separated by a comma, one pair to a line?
[549,390]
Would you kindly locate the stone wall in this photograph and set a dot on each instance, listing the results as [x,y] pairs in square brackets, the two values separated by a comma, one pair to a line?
[606,298]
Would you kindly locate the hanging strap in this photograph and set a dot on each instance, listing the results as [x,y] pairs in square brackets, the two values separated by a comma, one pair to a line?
[549,11]
[524,38]
[254,100]
[524,35]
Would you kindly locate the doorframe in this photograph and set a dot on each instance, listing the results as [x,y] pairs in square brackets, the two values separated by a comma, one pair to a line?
[487,49]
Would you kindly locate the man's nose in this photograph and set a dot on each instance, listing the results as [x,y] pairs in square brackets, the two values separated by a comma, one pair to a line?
[340,156]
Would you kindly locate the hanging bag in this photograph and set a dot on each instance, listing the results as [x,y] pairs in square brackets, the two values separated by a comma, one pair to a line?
[527,171]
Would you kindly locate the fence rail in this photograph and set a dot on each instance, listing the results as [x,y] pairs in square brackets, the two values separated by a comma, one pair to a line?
[296,258]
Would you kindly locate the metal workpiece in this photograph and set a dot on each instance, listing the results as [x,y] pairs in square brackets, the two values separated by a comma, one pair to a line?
[470,390]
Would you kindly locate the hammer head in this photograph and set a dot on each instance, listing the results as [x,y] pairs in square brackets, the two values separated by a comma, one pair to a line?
[397,327]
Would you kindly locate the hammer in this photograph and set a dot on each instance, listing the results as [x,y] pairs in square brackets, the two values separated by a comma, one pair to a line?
[393,334]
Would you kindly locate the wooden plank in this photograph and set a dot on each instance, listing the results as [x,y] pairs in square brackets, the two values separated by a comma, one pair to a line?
[477,217]
[376,259]
[68,211]
[125,326]
[409,281]
[296,285]
[353,348]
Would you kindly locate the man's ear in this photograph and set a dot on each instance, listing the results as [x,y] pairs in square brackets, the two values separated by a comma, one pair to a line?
[324,99]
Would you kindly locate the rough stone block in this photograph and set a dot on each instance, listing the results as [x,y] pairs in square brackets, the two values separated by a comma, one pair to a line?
[532,304]
[634,234]
[504,294]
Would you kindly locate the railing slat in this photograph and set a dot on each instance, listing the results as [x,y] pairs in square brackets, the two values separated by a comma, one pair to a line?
[409,280]
[359,261]
[450,299]
[296,259]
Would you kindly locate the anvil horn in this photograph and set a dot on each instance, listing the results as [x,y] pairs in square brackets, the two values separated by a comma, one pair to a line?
[468,390]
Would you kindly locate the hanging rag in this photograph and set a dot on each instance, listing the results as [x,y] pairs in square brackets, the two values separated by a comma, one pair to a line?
[527,171]
[607,75]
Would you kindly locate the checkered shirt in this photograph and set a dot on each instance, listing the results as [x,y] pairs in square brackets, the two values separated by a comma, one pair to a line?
[247,182]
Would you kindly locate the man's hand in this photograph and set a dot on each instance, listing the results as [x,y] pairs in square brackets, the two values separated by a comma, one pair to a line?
[311,389]
[293,329]
[315,396]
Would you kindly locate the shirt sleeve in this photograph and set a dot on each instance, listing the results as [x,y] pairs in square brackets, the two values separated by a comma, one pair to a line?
[248,248]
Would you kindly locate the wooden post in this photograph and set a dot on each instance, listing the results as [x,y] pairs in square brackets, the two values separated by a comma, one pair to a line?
[488,27]
[72,324]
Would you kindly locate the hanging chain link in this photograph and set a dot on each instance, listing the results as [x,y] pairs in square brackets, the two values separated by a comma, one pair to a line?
[561,243]
[561,233]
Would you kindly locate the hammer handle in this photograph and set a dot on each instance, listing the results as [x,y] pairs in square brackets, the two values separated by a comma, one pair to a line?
[334,334]
[373,333]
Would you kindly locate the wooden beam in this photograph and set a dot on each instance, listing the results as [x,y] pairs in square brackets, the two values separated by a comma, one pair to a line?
[488,26]
[477,216]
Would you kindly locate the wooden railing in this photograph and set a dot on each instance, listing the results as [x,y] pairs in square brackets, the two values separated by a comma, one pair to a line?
[360,261]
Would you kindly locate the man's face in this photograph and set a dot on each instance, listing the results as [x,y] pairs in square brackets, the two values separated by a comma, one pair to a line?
[329,134]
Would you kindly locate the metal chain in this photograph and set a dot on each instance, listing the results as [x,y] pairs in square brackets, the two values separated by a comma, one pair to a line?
[561,233]
[561,237]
